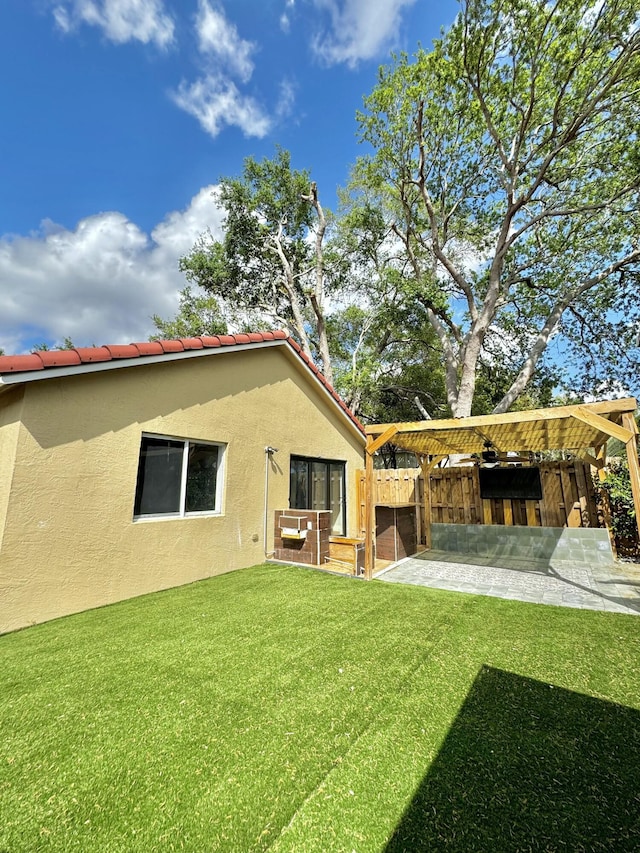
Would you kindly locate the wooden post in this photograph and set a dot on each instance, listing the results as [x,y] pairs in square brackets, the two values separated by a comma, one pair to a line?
[427,467]
[369,512]
[601,459]
[426,483]
[634,465]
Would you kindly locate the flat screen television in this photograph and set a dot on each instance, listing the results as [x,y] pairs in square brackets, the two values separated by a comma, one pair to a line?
[511,483]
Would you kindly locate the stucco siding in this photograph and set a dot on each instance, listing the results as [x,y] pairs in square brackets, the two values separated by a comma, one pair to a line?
[71,542]
[10,411]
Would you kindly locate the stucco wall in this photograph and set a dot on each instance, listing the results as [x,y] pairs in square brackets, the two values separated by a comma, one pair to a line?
[70,540]
[10,412]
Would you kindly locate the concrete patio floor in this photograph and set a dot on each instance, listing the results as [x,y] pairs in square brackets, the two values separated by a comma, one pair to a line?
[615,588]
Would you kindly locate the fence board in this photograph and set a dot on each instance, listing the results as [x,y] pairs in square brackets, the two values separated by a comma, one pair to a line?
[507,511]
[532,515]
[552,498]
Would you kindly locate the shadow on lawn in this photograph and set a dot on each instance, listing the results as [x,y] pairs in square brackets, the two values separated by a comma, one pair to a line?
[526,767]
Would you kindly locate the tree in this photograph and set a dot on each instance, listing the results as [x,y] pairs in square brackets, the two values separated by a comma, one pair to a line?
[270,263]
[197,315]
[508,162]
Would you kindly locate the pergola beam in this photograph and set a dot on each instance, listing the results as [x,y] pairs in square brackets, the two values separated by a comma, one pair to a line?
[591,460]
[382,439]
[488,440]
[598,422]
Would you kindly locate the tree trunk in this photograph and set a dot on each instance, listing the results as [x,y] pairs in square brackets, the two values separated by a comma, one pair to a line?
[317,296]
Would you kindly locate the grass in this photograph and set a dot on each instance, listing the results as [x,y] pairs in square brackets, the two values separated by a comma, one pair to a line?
[283,709]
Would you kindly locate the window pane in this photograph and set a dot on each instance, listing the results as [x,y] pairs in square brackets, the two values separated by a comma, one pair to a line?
[298,484]
[202,474]
[159,476]
[336,498]
[318,485]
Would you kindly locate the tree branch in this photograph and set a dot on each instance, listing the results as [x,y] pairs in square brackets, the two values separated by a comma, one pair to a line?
[550,326]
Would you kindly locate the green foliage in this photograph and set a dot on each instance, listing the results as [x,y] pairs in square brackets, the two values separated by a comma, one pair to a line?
[495,377]
[198,314]
[259,710]
[617,485]
[67,343]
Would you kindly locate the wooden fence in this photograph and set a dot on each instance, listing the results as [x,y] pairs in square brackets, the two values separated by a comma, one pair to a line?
[568,497]
[391,486]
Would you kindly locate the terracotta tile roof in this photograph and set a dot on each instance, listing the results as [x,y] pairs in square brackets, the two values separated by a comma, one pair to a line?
[51,359]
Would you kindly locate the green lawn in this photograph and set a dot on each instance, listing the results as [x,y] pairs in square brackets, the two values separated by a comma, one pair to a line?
[284,709]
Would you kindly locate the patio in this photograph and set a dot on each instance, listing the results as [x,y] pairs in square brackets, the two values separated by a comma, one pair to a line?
[614,588]
[515,488]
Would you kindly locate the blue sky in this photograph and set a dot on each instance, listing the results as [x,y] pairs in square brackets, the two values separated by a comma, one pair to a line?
[117,117]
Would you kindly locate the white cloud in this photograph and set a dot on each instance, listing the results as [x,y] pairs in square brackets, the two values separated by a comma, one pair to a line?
[359,29]
[214,98]
[99,283]
[219,38]
[285,18]
[121,20]
[286,99]
[216,101]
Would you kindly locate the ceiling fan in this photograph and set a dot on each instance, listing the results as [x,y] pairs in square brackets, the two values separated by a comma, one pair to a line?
[491,456]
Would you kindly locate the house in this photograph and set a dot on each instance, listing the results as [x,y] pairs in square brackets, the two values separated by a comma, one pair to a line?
[130,469]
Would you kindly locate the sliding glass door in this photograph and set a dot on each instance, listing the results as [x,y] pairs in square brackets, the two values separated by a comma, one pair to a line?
[319,484]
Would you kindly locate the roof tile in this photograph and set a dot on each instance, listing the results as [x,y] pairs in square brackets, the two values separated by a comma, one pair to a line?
[16,363]
[90,354]
[123,351]
[149,348]
[171,346]
[58,357]
[192,343]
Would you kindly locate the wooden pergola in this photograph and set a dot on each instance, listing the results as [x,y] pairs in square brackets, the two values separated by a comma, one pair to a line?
[583,430]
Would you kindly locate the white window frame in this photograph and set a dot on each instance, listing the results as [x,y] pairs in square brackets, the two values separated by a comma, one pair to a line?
[220,479]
